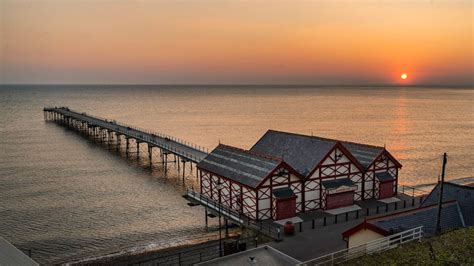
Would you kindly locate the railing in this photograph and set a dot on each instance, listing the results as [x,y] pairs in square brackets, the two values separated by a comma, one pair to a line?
[377,245]
[412,191]
[267,228]
[193,255]
[150,136]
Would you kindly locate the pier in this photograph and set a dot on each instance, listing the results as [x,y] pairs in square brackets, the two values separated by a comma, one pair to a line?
[119,135]
[115,133]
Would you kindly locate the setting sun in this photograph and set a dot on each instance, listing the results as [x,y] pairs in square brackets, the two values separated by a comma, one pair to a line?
[404,76]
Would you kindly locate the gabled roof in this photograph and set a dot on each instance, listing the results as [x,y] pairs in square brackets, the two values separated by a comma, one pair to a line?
[451,218]
[464,195]
[365,225]
[305,152]
[364,153]
[301,152]
[245,167]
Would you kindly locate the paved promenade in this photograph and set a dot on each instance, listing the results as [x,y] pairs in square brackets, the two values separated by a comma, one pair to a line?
[321,232]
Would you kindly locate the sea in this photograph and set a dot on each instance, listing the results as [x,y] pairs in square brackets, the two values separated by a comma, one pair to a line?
[65,198]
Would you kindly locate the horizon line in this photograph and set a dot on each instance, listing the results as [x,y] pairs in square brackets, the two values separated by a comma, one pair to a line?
[238,85]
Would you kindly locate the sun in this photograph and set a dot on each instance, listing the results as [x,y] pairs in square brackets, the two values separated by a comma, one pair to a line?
[404,76]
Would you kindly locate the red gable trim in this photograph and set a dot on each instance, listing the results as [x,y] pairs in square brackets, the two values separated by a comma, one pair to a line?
[386,153]
[350,156]
[284,165]
[344,151]
[367,226]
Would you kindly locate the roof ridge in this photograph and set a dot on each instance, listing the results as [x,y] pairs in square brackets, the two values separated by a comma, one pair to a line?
[329,139]
[261,155]
[457,185]
[449,202]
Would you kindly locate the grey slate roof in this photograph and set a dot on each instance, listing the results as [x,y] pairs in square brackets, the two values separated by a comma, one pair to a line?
[451,218]
[263,255]
[284,192]
[238,165]
[10,255]
[365,154]
[384,176]
[335,183]
[464,195]
[304,152]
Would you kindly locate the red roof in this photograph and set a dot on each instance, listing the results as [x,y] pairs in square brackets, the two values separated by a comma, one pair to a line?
[365,225]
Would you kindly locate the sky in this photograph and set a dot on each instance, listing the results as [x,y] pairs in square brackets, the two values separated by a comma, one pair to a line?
[351,42]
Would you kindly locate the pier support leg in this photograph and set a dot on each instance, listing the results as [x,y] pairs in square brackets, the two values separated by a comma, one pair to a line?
[162,157]
[150,154]
[128,144]
[111,138]
[178,164]
[118,143]
[184,169]
[166,162]
[138,150]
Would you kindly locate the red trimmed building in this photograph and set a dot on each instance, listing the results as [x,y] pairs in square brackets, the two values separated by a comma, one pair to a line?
[333,169]
[258,186]
[285,173]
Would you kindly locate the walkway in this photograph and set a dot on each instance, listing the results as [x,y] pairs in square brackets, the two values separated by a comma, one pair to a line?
[185,150]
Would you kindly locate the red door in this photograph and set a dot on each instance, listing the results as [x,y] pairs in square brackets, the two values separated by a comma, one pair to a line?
[338,200]
[285,208]
[386,190]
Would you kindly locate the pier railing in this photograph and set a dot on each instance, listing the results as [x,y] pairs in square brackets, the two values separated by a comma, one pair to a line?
[159,134]
[374,246]
[200,253]
[140,134]
[412,191]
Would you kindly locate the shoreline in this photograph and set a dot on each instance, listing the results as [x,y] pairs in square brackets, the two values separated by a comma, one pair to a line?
[131,256]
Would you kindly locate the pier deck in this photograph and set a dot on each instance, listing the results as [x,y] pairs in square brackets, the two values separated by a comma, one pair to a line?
[111,129]
[185,150]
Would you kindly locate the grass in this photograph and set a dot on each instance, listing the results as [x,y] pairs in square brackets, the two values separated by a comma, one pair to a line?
[451,248]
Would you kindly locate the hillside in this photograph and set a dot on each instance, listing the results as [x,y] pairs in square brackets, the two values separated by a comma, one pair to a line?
[452,248]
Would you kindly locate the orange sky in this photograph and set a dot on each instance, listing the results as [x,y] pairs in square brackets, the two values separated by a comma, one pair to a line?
[304,42]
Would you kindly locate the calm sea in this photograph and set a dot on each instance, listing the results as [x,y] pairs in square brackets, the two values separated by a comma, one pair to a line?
[67,198]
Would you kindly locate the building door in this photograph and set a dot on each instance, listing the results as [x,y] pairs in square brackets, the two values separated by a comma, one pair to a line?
[285,208]
[338,200]
[386,190]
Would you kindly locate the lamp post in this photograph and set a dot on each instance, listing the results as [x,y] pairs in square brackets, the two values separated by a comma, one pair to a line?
[219,188]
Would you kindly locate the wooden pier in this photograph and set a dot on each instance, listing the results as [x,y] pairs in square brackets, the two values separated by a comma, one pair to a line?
[112,133]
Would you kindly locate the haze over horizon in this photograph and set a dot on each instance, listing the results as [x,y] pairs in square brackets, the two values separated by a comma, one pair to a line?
[237,42]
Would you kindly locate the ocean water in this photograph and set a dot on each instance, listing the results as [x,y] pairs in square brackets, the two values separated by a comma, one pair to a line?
[67,198]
